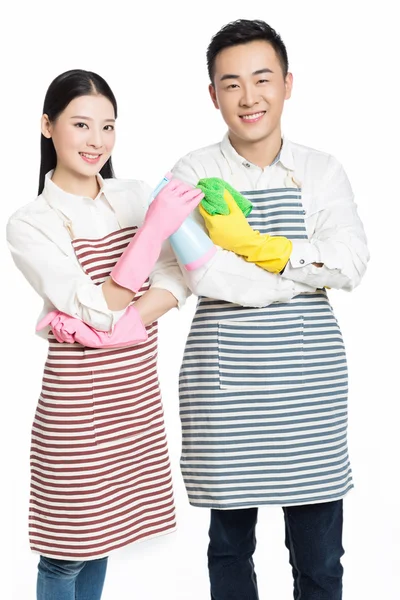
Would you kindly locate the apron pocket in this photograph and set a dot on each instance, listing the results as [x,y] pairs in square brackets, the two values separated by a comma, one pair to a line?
[261,355]
[126,400]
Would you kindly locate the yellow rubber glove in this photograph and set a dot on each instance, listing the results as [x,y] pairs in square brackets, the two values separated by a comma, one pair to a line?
[233,232]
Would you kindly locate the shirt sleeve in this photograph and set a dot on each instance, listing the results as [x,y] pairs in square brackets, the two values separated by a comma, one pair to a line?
[338,240]
[57,277]
[228,276]
[167,275]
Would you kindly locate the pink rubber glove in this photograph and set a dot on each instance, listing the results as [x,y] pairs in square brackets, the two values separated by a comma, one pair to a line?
[128,331]
[164,216]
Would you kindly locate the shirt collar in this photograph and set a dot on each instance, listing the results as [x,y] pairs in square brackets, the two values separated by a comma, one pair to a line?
[67,203]
[285,156]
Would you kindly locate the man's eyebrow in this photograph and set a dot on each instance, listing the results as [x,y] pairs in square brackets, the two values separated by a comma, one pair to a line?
[228,76]
[90,119]
[266,70]
[232,76]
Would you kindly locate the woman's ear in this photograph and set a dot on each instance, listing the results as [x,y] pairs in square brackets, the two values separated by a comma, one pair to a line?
[46,127]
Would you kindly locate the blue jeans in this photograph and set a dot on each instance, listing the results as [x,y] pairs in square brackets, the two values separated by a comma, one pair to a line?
[314,541]
[70,580]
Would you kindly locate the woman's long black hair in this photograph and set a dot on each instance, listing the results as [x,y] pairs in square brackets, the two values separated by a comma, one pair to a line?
[61,92]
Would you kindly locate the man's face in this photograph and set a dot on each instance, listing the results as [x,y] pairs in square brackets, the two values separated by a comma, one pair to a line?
[250,90]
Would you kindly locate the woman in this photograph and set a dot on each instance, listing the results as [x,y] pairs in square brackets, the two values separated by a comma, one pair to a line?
[99,461]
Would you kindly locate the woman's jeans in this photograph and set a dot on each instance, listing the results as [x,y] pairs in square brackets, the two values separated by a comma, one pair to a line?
[70,580]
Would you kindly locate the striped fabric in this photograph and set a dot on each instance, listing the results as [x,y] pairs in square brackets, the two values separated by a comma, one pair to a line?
[100,468]
[263,392]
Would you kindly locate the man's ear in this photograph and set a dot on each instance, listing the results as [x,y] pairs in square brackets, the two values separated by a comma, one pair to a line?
[45,126]
[288,85]
[211,90]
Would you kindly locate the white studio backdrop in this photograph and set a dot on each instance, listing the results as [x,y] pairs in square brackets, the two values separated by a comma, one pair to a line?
[343,57]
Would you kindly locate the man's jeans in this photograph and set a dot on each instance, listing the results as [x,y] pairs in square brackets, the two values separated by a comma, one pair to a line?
[314,541]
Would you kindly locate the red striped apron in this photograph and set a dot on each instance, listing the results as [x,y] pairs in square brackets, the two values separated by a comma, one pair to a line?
[100,468]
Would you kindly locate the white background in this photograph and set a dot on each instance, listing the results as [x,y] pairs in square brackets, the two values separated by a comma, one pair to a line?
[344,56]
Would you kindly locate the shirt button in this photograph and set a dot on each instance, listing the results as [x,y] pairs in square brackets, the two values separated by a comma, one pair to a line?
[246,164]
[302,261]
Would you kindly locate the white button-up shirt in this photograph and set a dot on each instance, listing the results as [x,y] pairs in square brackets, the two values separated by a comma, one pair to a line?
[336,236]
[39,237]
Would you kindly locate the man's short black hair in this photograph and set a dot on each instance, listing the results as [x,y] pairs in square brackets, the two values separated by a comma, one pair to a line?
[244,31]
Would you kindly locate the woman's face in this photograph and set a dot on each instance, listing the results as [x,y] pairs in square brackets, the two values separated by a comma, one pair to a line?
[83,135]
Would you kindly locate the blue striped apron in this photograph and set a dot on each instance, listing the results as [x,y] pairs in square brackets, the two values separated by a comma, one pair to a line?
[263,392]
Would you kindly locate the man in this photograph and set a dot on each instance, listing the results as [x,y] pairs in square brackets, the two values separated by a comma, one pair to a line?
[263,391]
